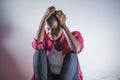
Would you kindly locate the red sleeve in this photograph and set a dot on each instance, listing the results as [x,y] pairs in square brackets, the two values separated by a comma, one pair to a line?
[40,45]
[78,36]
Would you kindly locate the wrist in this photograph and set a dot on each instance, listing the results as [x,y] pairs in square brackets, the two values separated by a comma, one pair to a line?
[63,25]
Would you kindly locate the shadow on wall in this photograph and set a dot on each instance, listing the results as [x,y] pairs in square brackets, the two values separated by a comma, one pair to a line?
[8,68]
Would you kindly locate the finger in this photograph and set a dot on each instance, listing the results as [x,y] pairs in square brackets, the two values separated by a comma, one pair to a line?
[52,8]
[58,16]
[50,13]
[60,12]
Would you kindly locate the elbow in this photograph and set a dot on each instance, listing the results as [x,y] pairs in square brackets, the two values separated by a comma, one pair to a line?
[78,49]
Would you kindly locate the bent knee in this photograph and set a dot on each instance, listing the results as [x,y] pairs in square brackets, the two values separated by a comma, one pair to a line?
[73,56]
[39,52]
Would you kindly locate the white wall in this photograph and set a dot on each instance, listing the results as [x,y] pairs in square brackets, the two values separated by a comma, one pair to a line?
[97,20]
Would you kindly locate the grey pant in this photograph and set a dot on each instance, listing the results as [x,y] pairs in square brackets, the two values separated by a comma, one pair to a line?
[42,69]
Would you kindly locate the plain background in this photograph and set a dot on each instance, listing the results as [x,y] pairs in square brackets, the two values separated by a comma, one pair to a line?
[97,20]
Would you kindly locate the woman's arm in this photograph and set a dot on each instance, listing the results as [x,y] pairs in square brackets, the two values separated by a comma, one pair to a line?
[40,33]
[73,42]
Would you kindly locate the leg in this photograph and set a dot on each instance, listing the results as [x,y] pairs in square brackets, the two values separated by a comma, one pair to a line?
[40,65]
[70,67]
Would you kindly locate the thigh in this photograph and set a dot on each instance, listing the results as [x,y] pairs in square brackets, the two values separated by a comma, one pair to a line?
[70,67]
[40,65]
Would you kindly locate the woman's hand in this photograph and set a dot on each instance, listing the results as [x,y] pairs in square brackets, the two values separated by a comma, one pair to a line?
[48,12]
[61,17]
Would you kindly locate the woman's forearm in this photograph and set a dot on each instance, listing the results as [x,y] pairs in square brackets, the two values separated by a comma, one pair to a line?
[40,33]
[74,44]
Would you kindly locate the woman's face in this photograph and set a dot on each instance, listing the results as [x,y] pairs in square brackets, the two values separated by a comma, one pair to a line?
[54,31]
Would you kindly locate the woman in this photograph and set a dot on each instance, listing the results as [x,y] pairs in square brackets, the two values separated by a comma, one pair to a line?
[56,49]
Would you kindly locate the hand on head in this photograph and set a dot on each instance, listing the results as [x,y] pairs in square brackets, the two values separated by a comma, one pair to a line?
[60,15]
[49,12]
